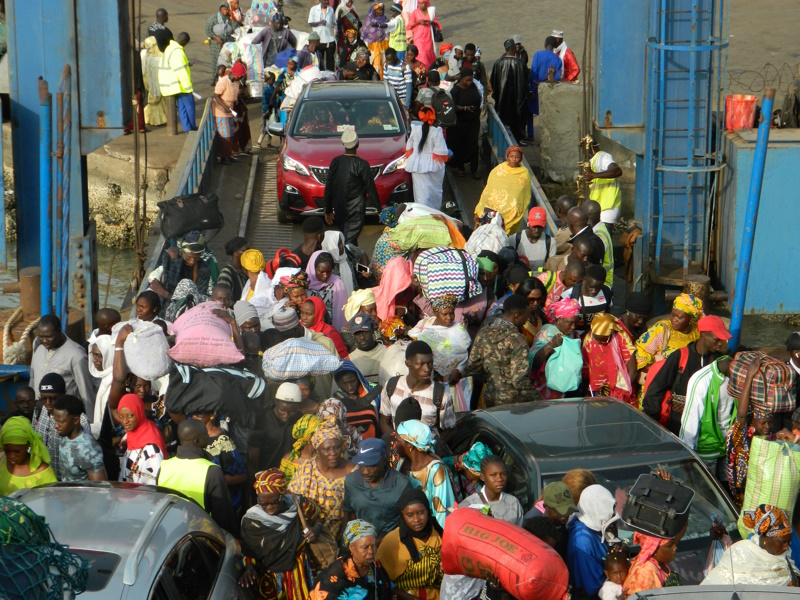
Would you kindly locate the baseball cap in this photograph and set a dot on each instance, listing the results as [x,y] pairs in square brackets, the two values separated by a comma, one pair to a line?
[52,383]
[557,496]
[537,217]
[289,392]
[370,452]
[361,323]
[713,324]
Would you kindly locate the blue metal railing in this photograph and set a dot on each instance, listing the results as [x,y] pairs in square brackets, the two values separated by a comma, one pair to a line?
[502,140]
[194,178]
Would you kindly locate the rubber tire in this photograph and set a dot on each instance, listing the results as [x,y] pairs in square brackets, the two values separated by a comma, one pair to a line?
[283,218]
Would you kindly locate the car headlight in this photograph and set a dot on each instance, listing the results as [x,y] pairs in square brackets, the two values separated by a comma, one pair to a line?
[398,163]
[290,164]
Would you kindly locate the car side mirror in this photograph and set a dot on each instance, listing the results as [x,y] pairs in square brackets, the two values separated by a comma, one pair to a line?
[277,129]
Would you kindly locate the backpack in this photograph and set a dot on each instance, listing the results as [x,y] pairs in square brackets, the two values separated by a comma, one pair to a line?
[445,110]
[666,401]
[438,394]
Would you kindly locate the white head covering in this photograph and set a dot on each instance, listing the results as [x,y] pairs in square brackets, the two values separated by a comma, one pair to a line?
[517,38]
[104,343]
[330,244]
[557,33]
[596,509]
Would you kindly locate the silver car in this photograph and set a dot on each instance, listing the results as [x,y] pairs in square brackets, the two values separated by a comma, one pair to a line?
[140,541]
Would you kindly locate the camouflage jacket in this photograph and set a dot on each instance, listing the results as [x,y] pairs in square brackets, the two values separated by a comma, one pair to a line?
[499,358]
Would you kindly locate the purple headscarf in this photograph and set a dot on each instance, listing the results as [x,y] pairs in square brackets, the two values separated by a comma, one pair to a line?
[340,294]
[370,32]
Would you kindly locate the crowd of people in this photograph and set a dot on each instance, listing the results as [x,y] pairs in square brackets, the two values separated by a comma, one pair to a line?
[344,468]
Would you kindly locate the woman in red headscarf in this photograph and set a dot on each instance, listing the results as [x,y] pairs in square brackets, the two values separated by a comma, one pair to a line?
[650,569]
[426,153]
[312,316]
[145,447]
[563,316]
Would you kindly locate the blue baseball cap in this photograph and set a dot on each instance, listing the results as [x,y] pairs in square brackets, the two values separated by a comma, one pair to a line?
[370,452]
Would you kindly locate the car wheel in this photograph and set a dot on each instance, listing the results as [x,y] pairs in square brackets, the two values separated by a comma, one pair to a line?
[285,218]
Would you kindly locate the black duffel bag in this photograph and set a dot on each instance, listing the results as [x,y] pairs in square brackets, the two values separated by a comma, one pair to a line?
[657,507]
[191,212]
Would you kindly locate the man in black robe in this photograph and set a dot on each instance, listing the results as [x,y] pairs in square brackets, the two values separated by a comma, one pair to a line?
[348,187]
[509,90]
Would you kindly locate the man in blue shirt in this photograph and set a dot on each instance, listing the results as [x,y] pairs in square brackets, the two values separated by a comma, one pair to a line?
[545,63]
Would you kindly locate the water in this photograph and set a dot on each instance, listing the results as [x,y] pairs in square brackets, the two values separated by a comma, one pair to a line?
[120,277]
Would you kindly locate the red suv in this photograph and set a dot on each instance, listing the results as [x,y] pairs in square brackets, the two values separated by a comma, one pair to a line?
[312,138]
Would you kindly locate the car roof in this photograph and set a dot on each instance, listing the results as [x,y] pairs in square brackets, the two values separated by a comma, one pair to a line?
[717,592]
[601,432]
[122,519]
[347,90]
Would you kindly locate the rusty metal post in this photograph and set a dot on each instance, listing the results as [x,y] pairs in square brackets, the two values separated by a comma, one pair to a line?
[29,292]
[172,115]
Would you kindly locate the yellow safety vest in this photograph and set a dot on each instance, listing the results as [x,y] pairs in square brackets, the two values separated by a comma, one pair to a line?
[605,192]
[174,76]
[397,38]
[187,476]
[608,257]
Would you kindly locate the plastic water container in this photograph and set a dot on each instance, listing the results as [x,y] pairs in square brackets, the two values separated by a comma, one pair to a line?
[740,111]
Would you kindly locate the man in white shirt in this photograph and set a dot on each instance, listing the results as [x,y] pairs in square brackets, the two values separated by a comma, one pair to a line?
[320,19]
[705,433]
[533,243]
[433,397]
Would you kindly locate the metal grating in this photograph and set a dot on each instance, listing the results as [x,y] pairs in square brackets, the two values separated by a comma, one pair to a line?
[263,230]
[321,173]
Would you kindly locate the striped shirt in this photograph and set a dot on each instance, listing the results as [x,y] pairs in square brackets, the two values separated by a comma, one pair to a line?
[399,76]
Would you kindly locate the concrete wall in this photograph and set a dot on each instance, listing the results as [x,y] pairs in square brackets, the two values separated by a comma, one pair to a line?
[771,288]
[560,109]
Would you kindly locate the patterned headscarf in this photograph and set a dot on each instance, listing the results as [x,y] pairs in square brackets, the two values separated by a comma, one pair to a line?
[472,459]
[271,481]
[356,300]
[767,520]
[514,149]
[417,434]
[563,309]
[604,324]
[18,431]
[328,430]
[193,242]
[391,327]
[298,280]
[389,216]
[444,302]
[357,529]
[302,432]
[691,305]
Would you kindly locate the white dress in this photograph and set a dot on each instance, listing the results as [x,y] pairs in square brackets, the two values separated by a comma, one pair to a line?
[427,165]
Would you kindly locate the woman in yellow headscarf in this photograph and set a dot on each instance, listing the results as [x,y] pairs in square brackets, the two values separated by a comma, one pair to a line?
[302,449]
[666,336]
[507,191]
[26,463]
[608,360]
[360,302]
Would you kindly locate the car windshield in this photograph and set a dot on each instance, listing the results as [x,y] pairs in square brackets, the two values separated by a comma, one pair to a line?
[330,118]
[707,499]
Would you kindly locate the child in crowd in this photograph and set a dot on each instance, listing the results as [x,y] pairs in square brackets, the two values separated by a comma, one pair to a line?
[494,477]
[267,108]
[615,566]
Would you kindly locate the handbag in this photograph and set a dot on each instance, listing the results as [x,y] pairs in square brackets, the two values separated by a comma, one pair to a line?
[322,550]
[191,212]
[772,388]
[563,369]
[773,477]
[437,34]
